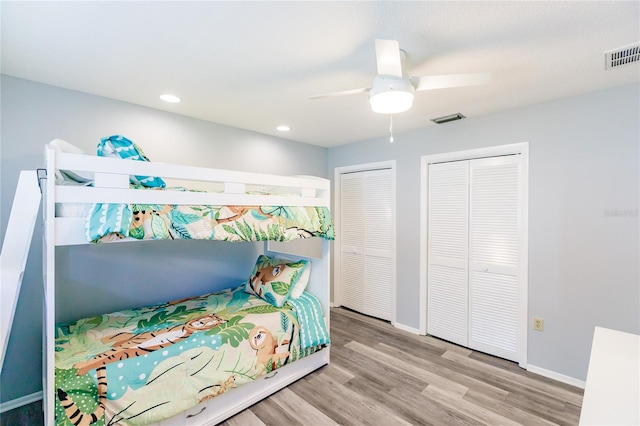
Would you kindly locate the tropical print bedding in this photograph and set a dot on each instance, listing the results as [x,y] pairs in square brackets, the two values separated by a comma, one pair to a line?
[144,365]
[108,222]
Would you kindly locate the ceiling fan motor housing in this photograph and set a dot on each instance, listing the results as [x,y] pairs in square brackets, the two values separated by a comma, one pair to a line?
[391,94]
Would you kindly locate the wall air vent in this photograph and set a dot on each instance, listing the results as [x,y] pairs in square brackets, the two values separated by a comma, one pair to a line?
[622,56]
[448,118]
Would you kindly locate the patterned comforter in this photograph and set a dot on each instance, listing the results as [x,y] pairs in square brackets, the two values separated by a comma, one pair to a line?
[108,222]
[144,365]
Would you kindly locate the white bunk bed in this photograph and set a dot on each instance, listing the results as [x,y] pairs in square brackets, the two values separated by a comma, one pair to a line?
[112,186]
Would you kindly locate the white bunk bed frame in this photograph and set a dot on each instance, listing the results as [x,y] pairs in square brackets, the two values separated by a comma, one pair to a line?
[112,186]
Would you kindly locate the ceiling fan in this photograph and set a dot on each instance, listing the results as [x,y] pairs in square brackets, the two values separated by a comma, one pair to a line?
[393,89]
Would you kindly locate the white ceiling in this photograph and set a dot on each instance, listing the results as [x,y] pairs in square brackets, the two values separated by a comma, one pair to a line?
[254,65]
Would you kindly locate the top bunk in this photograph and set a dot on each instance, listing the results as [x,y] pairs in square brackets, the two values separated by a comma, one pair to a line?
[109,198]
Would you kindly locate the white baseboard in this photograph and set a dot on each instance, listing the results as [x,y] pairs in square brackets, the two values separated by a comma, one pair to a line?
[405,328]
[556,376]
[19,402]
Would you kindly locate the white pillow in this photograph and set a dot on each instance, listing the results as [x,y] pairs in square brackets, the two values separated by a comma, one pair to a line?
[302,282]
[64,176]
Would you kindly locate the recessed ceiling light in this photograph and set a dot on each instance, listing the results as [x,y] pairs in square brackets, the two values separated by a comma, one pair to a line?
[283,128]
[170,98]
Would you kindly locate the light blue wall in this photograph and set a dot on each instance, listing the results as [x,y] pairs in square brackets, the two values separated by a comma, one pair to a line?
[100,278]
[584,161]
[583,263]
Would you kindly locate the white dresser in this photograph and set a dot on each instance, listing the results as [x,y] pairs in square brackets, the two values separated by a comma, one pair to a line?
[612,391]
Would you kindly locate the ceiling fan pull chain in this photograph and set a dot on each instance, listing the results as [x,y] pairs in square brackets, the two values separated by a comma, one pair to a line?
[391,128]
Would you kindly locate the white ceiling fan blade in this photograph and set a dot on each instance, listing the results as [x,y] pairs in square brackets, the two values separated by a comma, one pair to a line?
[342,93]
[431,82]
[388,58]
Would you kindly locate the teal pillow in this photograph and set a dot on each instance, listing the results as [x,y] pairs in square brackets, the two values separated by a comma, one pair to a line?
[120,147]
[274,279]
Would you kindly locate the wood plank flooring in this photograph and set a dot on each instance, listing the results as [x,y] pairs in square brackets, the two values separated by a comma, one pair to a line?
[380,375]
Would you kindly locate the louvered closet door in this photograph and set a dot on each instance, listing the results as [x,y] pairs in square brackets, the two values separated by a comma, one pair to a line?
[494,255]
[378,247]
[352,240]
[448,263]
[366,242]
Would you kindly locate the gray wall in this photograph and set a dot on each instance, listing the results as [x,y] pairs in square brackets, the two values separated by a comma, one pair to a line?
[101,278]
[583,259]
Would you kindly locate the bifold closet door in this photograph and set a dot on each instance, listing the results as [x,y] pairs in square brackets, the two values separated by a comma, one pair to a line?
[448,252]
[366,242]
[473,263]
[494,261]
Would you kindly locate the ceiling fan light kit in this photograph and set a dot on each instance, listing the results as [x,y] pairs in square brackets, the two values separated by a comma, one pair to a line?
[391,95]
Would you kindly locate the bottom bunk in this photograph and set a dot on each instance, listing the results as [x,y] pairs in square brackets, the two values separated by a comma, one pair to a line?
[193,361]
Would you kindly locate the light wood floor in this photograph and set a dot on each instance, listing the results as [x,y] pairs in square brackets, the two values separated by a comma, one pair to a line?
[380,375]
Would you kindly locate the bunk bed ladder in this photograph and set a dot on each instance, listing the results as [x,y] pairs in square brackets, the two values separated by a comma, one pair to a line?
[15,249]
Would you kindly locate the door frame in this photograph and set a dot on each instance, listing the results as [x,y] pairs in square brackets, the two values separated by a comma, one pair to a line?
[521,148]
[337,256]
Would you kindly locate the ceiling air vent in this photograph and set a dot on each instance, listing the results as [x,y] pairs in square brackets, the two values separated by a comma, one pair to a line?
[622,56]
[448,118]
